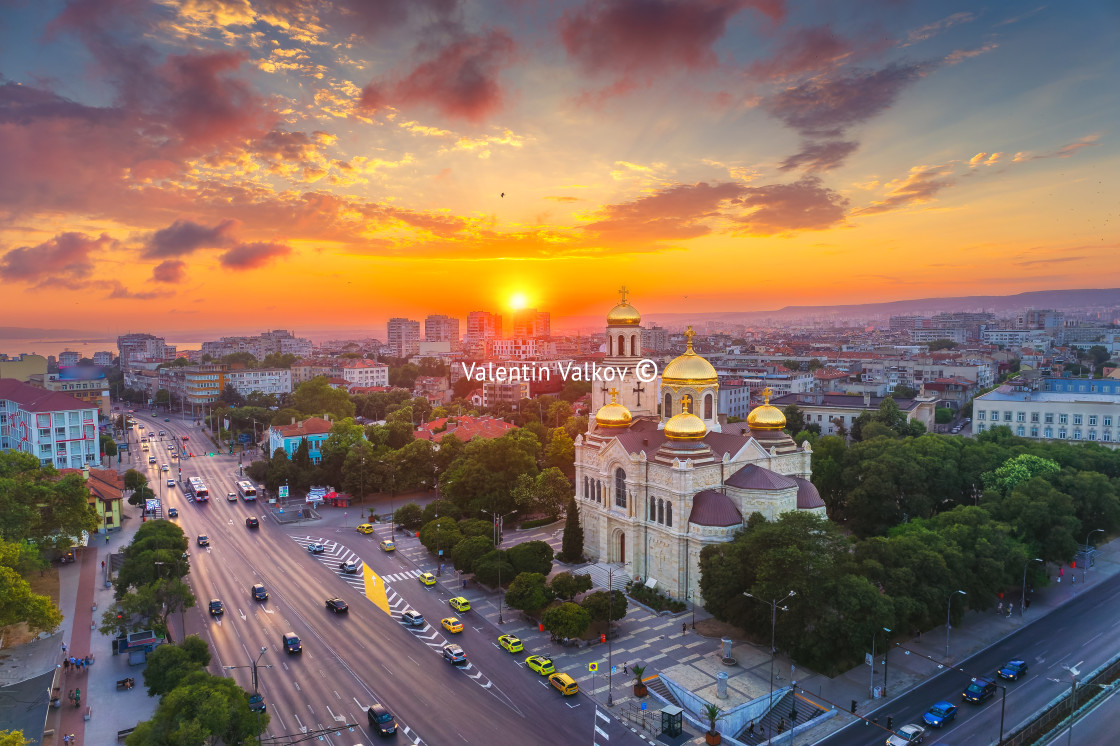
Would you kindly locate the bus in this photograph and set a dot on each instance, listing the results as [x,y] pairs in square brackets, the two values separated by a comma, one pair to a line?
[247,490]
[198,489]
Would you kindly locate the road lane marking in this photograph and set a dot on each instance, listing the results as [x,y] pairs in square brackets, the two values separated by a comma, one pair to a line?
[375,590]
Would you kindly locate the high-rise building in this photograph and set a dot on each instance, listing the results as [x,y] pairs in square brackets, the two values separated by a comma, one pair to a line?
[68,358]
[134,348]
[530,323]
[404,337]
[655,338]
[483,325]
[440,328]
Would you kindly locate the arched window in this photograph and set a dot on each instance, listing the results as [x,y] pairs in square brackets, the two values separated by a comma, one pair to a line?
[669,514]
[585,488]
[707,406]
[667,410]
[660,511]
[598,491]
[653,509]
[620,488]
[634,345]
[610,345]
[621,345]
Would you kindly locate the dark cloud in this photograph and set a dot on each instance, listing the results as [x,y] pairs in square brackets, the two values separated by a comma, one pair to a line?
[802,50]
[804,205]
[920,185]
[459,78]
[676,213]
[285,146]
[169,271]
[119,291]
[68,257]
[253,255]
[825,107]
[186,236]
[816,157]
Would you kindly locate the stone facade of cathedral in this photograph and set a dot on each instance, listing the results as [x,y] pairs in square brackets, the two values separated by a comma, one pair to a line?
[654,488]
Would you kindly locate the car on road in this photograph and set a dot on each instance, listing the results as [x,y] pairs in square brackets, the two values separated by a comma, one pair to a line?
[252,522]
[259,593]
[290,642]
[170,482]
[171,448]
[172,512]
[511,643]
[165,467]
[460,604]
[203,540]
[454,654]
[166,419]
[151,459]
[161,433]
[907,734]
[316,548]
[940,714]
[365,528]
[564,683]
[231,496]
[1013,669]
[451,624]
[381,720]
[216,608]
[387,545]
[337,605]
[186,437]
[427,578]
[540,664]
[412,618]
[978,691]
[350,567]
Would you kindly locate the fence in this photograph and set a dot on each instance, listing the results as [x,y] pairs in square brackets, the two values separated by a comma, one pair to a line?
[1061,709]
[647,720]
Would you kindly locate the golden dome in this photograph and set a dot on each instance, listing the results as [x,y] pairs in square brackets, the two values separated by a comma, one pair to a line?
[685,426]
[623,314]
[766,416]
[689,369]
[613,414]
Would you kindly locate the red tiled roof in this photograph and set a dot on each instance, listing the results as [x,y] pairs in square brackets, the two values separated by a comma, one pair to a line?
[711,508]
[464,428]
[107,484]
[310,426]
[755,477]
[33,399]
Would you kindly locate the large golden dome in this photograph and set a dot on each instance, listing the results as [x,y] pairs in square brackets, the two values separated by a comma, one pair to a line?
[689,369]
[685,426]
[624,314]
[613,414]
[766,416]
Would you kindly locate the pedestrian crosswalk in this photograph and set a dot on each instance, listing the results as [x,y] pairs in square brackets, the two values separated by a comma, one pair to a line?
[407,575]
[333,555]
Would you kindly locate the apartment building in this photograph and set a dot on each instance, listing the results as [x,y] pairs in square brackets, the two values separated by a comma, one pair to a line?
[510,394]
[404,337]
[277,341]
[245,381]
[23,367]
[440,328]
[530,323]
[363,373]
[58,429]
[103,358]
[482,326]
[86,384]
[68,358]
[315,430]
[1059,409]
[835,411]
[140,348]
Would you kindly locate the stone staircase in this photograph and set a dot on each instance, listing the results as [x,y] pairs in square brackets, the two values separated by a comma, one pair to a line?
[657,686]
[781,716]
[600,575]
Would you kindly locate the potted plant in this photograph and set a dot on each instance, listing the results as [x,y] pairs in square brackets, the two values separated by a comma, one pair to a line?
[639,688]
[712,713]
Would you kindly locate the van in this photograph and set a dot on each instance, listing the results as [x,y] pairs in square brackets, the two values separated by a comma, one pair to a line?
[564,683]
[291,643]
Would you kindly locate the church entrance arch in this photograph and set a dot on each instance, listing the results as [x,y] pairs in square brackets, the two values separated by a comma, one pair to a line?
[617,550]
[621,546]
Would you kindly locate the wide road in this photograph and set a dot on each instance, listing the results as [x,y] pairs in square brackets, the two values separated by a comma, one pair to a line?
[1083,633]
[348,660]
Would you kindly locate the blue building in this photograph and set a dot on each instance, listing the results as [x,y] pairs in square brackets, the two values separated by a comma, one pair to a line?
[314,429]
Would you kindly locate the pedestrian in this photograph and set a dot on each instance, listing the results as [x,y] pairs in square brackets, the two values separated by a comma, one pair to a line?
[1027,602]
[782,726]
[1073,577]
[999,609]
[684,629]
[65,664]
[64,648]
[106,538]
[70,695]
[1010,608]
[1061,572]
[750,731]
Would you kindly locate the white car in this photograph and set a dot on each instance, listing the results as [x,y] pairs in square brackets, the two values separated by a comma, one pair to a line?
[907,734]
[231,496]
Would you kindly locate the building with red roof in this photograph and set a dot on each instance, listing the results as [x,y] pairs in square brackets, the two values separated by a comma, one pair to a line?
[464,428]
[56,428]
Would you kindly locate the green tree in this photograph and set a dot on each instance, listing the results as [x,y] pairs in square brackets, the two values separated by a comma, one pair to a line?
[902,391]
[602,605]
[561,451]
[17,601]
[493,568]
[571,547]
[345,435]
[203,709]
[566,620]
[13,738]
[529,592]
[942,344]
[168,665]
[440,534]
[440,508]
[467,551]
[795,418]
[553,490]
[410,516]
[1018,470]
[232,396]
[567,586]
[316,398]
[108,445]
[532,556]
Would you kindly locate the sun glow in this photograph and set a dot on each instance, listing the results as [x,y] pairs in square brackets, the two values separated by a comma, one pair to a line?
[518,301]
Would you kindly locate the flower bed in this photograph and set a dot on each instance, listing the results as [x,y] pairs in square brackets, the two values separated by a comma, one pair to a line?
[654,599]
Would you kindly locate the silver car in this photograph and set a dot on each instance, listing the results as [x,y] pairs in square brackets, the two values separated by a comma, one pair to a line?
[907,734]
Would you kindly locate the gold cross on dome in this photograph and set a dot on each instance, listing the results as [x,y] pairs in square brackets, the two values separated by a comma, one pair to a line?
[766,394]
[686,404]
[622,291]
[614,395]
[689,334]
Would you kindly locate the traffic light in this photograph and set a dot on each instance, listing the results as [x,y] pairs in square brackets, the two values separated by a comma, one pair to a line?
[890,723]
[853,707]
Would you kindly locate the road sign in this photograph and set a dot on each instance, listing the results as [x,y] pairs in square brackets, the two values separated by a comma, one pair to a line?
[592,667]
[614,669]
[283,491]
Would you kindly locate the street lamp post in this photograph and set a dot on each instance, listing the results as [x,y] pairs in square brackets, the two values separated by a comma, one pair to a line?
[949,621]
[499,522]
[256,689]
[886,659]
[1023,598]
[1089,549]
[773,630]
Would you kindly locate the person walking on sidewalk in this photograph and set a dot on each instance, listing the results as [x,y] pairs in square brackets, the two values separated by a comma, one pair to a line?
[1010,608]
[999,609]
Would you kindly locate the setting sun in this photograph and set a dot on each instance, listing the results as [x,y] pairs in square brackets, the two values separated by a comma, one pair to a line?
[518,301]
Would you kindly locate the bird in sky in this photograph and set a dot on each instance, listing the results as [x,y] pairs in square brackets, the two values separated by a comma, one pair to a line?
[503,194]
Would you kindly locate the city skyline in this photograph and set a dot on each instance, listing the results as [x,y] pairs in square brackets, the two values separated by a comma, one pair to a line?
[199,163]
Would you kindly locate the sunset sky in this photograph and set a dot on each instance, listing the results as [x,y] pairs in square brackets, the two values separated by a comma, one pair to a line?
[175,165]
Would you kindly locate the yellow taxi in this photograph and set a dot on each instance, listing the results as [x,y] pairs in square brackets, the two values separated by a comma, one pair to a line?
[387,545]
[511,643]
[427,578]
[451,624]
[365,528]
[460,604]
[564,684]
[540,664]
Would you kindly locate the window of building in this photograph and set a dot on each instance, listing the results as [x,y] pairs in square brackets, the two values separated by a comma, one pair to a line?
[1062,434]
[652,509]
[1077,419]
[1034,417]
[667,410]
[1108,422]
[980,427]
[707,406]
[620,488]
[1107,436]
[1007,416]
[1081,388]
[1034,432]
[1077,434]
[1049,418]
[1092,419]
[660,511]
[1063,419]
[1092,435]
[585,488]
[981,414]
[1020,431]
[1020,416]
[669,514]
[995,415]
[1049,432]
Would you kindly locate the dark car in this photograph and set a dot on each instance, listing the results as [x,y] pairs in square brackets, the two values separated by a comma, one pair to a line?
[381,720]
[203,540]
[978,691]
[252,522]
[291,643]
[167,419]
[172,513]
[412,618]
[337,605]
[350,567]
[1013,670]
[259,592]
[216,608]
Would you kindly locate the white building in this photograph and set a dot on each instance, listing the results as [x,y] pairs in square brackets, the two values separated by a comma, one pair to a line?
[404,337]
[528,348]
[103,357]
[364,373]
[262,380]
[1073,409]
[56,428]
[68,358]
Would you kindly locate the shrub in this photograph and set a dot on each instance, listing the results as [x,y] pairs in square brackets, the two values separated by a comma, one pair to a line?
[528,592]
[467,552]
[492,567]
[409,516]
[532,556]
[567,586]
[566,620]
[537,522]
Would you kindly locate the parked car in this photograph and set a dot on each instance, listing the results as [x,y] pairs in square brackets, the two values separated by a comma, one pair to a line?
[540,664]
[511,643]
[460,604]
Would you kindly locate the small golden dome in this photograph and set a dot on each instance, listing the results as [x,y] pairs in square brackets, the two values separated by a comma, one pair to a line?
[685,426]
[689,369]
[623,314]
[613,414]
[766,416]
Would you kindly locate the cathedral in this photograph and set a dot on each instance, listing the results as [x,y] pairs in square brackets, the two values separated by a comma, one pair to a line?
[661,474]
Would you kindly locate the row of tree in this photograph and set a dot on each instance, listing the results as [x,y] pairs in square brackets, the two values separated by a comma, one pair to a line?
[149,585]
